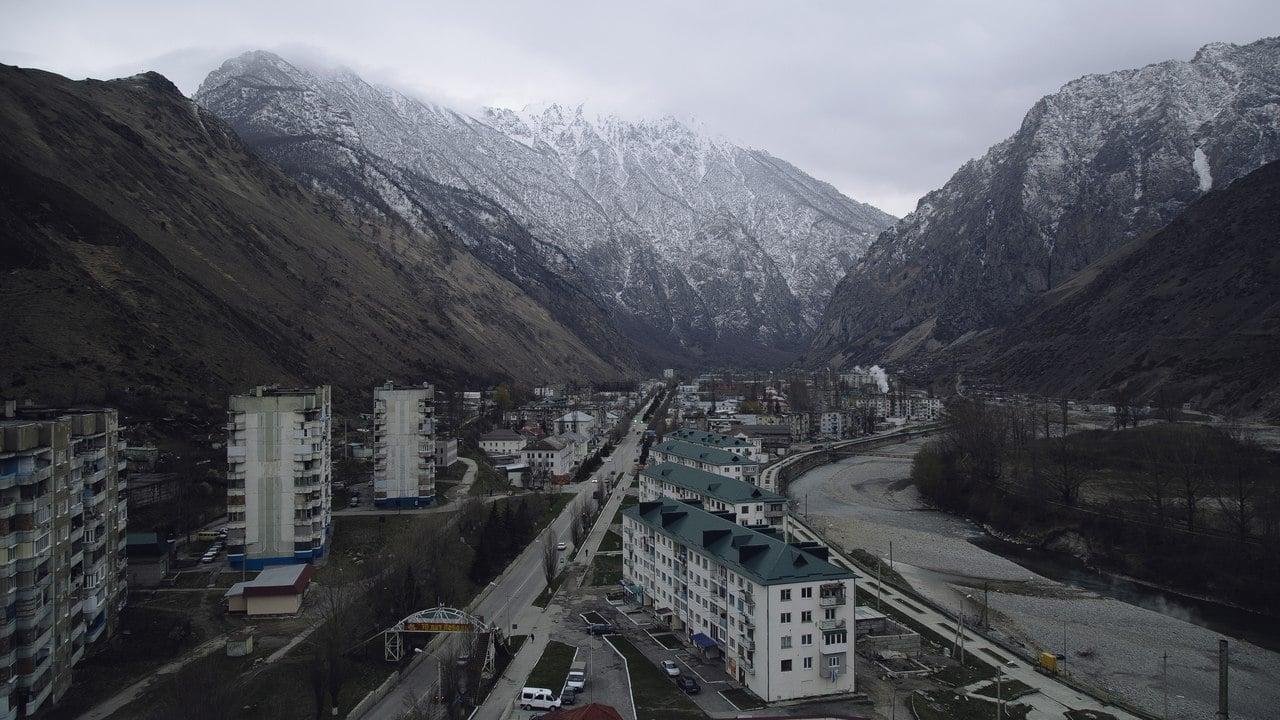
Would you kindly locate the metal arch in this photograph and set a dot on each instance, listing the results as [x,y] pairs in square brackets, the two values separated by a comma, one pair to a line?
[393,640]
[439,614]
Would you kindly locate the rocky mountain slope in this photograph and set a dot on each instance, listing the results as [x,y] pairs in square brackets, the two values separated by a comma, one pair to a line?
[1192,311]
[1106,160]
[144,245]
[699,245]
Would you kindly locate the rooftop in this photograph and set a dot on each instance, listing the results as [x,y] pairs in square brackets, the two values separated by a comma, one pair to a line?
[275,580]
[576,416]
[710,439]
[759,556]
[502,434]
[690,451]
[719,487]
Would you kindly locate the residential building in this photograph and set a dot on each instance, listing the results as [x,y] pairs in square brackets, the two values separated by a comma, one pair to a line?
[751,506]
[279,476]
[701,457]
[769,438]
[404,446]
[146,489]
[575,422]
[63,562]
[149,558]
[550,458]
[799,424]
[778,615]
[446,452]
[669,373]
[736,442]
[502,442]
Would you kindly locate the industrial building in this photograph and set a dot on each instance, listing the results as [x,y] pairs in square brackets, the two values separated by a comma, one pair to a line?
[279,476]
[404,446]
[777,614]
[62,515]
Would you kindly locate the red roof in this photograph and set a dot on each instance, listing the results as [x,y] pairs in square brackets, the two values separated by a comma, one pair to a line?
[593,711]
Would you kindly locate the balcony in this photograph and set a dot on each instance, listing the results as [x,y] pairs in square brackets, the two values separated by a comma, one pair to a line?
[827,625]
[827,601]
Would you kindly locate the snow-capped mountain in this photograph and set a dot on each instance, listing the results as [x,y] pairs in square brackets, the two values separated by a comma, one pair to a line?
[716,248]
[1106,159]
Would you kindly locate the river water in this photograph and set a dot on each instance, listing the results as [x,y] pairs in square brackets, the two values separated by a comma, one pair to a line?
[1114,632]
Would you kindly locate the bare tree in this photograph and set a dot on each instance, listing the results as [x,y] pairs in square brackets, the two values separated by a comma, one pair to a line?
[1072,472]
[576,527]
[1240,481]
[1155,482]
[1189,456]
[550,556]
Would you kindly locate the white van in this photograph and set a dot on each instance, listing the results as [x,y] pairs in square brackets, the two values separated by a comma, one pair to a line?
[538,699]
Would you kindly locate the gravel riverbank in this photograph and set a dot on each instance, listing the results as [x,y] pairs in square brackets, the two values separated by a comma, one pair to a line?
[868,502]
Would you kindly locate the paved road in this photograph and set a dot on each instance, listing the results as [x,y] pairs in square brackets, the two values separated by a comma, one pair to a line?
[468,477]
[507,601]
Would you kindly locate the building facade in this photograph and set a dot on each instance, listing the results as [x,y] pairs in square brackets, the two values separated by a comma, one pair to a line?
[549,458]
[502,442]
[701,457]
[63,514]
[279,476]
[778,615]
[751,505]
[404,446]
[575,422]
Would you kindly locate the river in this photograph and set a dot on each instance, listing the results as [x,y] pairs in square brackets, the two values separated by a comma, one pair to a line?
[1114,632]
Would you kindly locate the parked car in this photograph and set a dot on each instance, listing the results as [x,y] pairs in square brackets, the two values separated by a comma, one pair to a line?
[670,668]
[569,696]
[208,558]
[601,629]
[688,685]
[577,678]
[562,546]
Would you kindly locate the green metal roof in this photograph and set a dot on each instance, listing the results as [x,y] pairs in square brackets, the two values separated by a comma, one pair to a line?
[703,453]
[759,556]
[725,489]
[710,439]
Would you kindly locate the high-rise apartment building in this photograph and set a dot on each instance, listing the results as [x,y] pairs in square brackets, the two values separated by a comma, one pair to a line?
[279,476]
[404,445]
[62,546]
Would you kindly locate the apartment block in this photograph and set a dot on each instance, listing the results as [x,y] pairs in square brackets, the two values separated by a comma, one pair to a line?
[279,476]
[751,505]
[62,547]
[778,615]
[404,446]
[702,457]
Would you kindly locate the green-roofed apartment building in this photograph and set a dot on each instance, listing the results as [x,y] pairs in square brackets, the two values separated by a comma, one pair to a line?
[752,506]
[779,615]
[737,465]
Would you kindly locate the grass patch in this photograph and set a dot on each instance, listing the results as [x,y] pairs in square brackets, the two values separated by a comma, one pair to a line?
[742,699]
[970,672]
[869,560]
[1009,689]
[442,492]
[544,597]
[552,667]
[1089,715]
[667,640]
[488,480]
[606,569]
[657,698]
[627,501]
[996,656]
[947,705]
[612,542]
[452,474]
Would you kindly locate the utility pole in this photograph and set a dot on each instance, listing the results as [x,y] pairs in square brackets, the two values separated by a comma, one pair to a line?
[1164,682]
[1223,714]
[999,696]
[890,554]
[986,598]
[879,584]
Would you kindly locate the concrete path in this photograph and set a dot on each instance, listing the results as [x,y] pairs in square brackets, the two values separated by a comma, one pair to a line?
[468,477]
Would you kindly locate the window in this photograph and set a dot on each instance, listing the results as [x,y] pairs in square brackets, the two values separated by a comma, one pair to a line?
[746,509]
[786,595]
[835,638]
[829,614]
[833,661]
[786,642]
[786,618]
[808,663]
[806,616]
[806,592]
[806,640]
[786,666]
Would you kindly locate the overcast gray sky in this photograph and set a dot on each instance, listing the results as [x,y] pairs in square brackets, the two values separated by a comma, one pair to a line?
[884,100]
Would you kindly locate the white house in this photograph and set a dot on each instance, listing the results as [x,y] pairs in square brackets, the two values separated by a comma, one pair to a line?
[778,615]
[502,442]
[551,457]
[575,421]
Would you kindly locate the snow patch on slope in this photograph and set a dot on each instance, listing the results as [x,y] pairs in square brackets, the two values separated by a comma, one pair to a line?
[1200,162]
